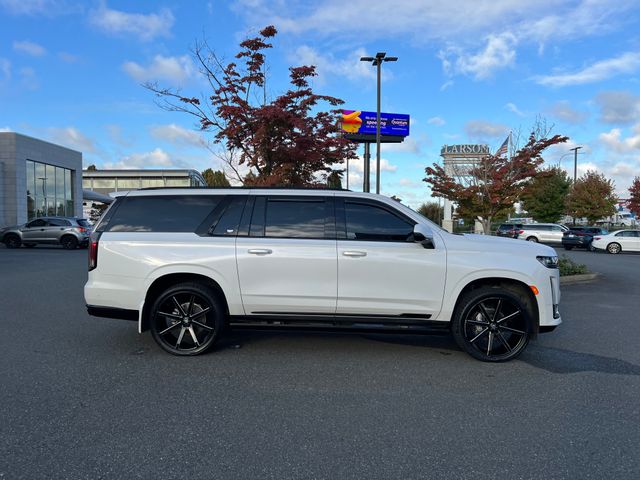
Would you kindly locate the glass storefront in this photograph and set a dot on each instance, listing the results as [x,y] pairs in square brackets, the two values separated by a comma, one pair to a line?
[49,190]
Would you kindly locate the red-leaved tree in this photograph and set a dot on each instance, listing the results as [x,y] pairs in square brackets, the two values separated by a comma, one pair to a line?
[495,183]
[634,197]
[287,141]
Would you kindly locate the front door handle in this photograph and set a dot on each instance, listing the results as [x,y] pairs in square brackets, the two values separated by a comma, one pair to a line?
[260,251]
[354,253]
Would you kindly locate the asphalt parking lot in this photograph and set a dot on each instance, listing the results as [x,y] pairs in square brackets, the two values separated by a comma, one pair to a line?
[84,397]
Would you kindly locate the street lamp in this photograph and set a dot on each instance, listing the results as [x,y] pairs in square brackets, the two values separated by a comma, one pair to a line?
[377,62]
[575,163]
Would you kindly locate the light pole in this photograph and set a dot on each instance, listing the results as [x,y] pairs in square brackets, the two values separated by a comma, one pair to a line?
[377,62]
[575,163]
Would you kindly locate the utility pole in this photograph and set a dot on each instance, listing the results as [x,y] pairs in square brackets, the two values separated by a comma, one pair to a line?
[575,163]
[377,62]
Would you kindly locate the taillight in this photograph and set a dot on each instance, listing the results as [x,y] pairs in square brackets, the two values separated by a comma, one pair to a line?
[596,238]
[520,232]
[93,250]
[82,229]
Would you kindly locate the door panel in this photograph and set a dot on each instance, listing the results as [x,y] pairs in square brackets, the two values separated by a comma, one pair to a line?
[35,231]
[381,270]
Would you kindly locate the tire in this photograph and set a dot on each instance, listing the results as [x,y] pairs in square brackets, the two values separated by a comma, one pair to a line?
[12,241]
[492,324]
[196,310]
[69,242]
[532,239]
[568,247]
[614,248]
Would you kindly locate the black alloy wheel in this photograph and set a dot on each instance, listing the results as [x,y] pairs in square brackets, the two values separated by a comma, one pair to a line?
[69,242]
[12,241]
[492,324]
[186,319]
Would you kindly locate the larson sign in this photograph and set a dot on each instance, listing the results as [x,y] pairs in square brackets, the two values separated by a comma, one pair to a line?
[477,149]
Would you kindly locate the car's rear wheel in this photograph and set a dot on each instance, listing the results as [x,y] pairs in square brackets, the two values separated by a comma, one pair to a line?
[614,248]
[532,239]
[186,319]
[69,242]
[492,324]
[12,241]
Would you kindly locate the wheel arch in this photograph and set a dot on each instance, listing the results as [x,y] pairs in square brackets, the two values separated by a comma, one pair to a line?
[163,282]
[510,284]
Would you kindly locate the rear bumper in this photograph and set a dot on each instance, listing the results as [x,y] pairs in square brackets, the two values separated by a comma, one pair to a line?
[110,312]
[576,242]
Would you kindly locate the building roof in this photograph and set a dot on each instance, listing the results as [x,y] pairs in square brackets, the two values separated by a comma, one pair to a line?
[146,172]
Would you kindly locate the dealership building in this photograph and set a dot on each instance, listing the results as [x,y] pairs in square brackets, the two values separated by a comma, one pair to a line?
[109,181]
[37,178]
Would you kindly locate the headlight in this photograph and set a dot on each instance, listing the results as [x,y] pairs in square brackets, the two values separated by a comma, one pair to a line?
[549,262]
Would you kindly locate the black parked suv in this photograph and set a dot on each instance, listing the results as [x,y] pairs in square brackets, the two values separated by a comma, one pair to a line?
[510,230]
[581,237]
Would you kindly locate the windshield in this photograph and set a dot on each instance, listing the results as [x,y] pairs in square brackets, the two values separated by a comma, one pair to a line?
[83,222]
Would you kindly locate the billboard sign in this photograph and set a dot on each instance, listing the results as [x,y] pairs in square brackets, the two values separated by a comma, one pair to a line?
[364,123]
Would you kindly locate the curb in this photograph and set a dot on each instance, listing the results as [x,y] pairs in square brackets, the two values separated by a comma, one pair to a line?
[584,277]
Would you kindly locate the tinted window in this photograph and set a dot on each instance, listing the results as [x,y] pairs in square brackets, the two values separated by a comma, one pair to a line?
[228,223]
[556,229]
[170,213]
[369,222]
[82,222]
[541,228]
[37,223]
[58,222]
[300,218]
[627,233]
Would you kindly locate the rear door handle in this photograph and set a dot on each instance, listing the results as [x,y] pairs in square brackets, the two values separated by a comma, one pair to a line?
[260,251]
[354,253]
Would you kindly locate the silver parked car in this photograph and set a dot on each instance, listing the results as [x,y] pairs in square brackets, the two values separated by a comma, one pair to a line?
[70,232]
[542,232]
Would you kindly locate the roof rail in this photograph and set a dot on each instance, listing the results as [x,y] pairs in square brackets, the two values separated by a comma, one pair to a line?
[245,188]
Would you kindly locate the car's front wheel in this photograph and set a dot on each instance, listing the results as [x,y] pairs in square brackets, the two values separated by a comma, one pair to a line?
[614,248]
[12,240]
[492,324]
[186,319]
[532,239]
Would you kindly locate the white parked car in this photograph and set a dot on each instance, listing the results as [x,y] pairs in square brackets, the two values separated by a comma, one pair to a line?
[620,241]
[542,232]
[189,263]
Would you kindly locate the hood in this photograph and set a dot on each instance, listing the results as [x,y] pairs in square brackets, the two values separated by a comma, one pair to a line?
[488,243]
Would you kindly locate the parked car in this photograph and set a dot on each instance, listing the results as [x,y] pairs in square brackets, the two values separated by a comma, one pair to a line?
[509,230]
[542,232]
[187,264]
[581,237]
[616,242]
[70,232]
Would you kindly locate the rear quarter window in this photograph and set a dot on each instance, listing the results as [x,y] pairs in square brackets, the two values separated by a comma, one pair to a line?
[168,213]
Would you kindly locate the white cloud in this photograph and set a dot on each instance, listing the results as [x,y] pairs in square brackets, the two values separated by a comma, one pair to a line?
[513,108]
[28,78]
[5,129]
[154,158]
[71,137]
[411,144]
[356,170]
[445,85]
[437,121]
[563,110]
[614,140]
[351,67]
[406,182]
[626,63]
[618,107]
[38,7]
[30,48]
[173,69]
[68,57]
[176,134]
[498,53]
[481,129]
[144,26]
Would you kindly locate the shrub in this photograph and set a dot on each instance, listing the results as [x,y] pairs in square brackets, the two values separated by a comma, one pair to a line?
[569,267]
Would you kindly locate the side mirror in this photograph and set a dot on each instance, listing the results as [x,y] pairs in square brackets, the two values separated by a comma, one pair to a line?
[422,239]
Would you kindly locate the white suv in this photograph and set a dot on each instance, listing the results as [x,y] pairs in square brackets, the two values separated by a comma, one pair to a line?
[189,263]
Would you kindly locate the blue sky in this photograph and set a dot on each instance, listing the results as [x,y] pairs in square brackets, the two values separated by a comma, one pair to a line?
[469,71]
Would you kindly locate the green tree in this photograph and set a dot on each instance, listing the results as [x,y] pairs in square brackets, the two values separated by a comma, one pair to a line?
[91,168]
[215,178]
[334,179]
[432,211]
[545,195]
[592,197]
